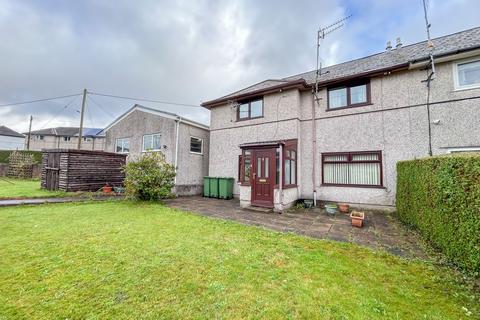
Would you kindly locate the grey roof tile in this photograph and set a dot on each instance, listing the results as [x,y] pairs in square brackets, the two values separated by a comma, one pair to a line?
[5,131]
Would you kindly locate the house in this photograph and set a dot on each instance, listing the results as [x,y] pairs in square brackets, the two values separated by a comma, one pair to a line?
[283,144]
[10,139]
[66,138]
[185,143]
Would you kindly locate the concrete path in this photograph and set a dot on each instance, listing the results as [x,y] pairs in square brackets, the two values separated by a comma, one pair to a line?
[19,202]
[381,229]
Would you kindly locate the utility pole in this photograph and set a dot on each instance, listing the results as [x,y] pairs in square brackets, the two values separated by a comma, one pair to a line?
[29,132]
[80,132]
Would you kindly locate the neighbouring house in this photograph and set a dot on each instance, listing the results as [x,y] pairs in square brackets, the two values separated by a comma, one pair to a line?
[283,144]
[10,139]
[185,143]
[66,138]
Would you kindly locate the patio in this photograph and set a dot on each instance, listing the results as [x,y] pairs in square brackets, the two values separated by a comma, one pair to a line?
[381,230]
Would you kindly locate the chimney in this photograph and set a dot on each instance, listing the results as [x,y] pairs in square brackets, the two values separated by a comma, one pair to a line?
[399,43]
[389,46]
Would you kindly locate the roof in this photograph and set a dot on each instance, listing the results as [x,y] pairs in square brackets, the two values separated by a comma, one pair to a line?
[157,112]
[5,131]
[388,60]
[67,132]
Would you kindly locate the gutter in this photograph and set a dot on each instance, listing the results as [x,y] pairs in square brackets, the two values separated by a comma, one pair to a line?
[177,129]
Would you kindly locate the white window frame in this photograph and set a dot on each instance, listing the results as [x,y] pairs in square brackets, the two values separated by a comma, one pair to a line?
[151,135]
[457,86]
[116,145]
[463,149]
[190,145]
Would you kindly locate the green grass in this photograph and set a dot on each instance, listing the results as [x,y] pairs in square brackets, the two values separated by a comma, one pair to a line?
[129,260]
[17,188]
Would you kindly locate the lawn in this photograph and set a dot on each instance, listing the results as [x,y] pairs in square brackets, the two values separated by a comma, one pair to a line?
[128,260]
[17,189]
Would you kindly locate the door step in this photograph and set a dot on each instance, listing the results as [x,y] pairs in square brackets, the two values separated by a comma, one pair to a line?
[259,209]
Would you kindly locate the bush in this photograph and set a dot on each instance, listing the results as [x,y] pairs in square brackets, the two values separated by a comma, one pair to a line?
[149,177]
[440,196]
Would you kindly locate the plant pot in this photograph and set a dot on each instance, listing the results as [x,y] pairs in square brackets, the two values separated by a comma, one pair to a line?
[107,189]
[357,218]
[343,207]
[308,204]
[331,208]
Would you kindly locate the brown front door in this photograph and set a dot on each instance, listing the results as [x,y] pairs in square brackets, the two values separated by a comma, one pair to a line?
[263,177]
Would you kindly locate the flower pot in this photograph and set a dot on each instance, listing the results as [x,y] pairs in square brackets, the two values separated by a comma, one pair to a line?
[357,218]
[331,208]
[107,189]
[343,207]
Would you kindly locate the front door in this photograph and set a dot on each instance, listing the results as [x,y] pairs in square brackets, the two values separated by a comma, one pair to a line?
[263,177]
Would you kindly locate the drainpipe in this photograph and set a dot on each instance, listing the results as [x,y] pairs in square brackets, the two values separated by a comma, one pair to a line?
[314,149]
[280,178]
[176,146]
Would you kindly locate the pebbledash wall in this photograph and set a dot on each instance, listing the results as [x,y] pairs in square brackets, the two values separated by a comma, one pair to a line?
[395,123]
[191,167]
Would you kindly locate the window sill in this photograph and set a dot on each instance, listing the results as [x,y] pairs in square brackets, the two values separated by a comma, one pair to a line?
[156,150]
[197,153]
[457,89]
[350,107]
[246,119]
[352,186]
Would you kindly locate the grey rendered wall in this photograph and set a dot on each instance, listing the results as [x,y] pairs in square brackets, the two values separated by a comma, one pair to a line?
[226,134]
[135,126]
[53,142]
[192,167]
[396,123]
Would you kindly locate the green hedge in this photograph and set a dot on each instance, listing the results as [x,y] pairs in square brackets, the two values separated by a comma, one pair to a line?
[4,154]
[440,196]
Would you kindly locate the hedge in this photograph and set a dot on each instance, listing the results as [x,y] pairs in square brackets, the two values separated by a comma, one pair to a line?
[440,196]
[4,154]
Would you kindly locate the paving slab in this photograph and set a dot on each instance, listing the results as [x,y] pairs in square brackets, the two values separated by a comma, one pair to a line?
[381,230]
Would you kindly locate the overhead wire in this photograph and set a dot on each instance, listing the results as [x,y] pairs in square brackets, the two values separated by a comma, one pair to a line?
[59,113]
[146,100]
[38,100]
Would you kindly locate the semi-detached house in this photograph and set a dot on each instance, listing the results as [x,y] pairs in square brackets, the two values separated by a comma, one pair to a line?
[282,144]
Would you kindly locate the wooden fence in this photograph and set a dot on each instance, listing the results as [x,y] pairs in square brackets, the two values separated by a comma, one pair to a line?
[81,170]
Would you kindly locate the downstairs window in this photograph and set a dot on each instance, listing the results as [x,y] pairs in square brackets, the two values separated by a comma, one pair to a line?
[363,169]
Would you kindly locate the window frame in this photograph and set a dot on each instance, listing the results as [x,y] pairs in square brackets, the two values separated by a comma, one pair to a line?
[291,146]
[241,167]
[116,145]
[151,134]
[456,80]
[463,149]
[347,86]
[349,160]
[201,145]
[66,139]
[249,102]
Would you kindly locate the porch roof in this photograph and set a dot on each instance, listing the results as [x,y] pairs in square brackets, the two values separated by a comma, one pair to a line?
[271,143]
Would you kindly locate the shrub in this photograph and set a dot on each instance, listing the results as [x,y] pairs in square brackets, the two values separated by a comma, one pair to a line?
[440,196]
[149,177]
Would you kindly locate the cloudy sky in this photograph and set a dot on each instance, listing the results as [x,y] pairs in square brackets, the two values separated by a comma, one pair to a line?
[184,51]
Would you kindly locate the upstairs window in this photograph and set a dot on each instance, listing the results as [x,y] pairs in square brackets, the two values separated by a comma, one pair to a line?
[122,145]
[66,138]
[352,169]
[353,95]
[467,74]
[196,145]
[250,110]
[151,142]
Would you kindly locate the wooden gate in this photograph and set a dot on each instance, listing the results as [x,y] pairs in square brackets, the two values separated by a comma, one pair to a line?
[52,171]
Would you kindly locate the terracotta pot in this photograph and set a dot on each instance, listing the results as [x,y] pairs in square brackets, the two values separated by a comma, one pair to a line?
[357,218]
[343,207]
[107,189]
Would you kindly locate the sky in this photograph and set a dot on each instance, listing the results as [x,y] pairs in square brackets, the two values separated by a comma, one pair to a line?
[185,51]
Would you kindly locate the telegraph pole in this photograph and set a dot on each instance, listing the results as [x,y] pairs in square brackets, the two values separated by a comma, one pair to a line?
[80,132]
[29,132]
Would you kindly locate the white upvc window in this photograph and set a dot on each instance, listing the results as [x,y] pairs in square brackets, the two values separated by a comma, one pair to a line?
[151,142]
[196,145]
[122,145]
[466,74]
